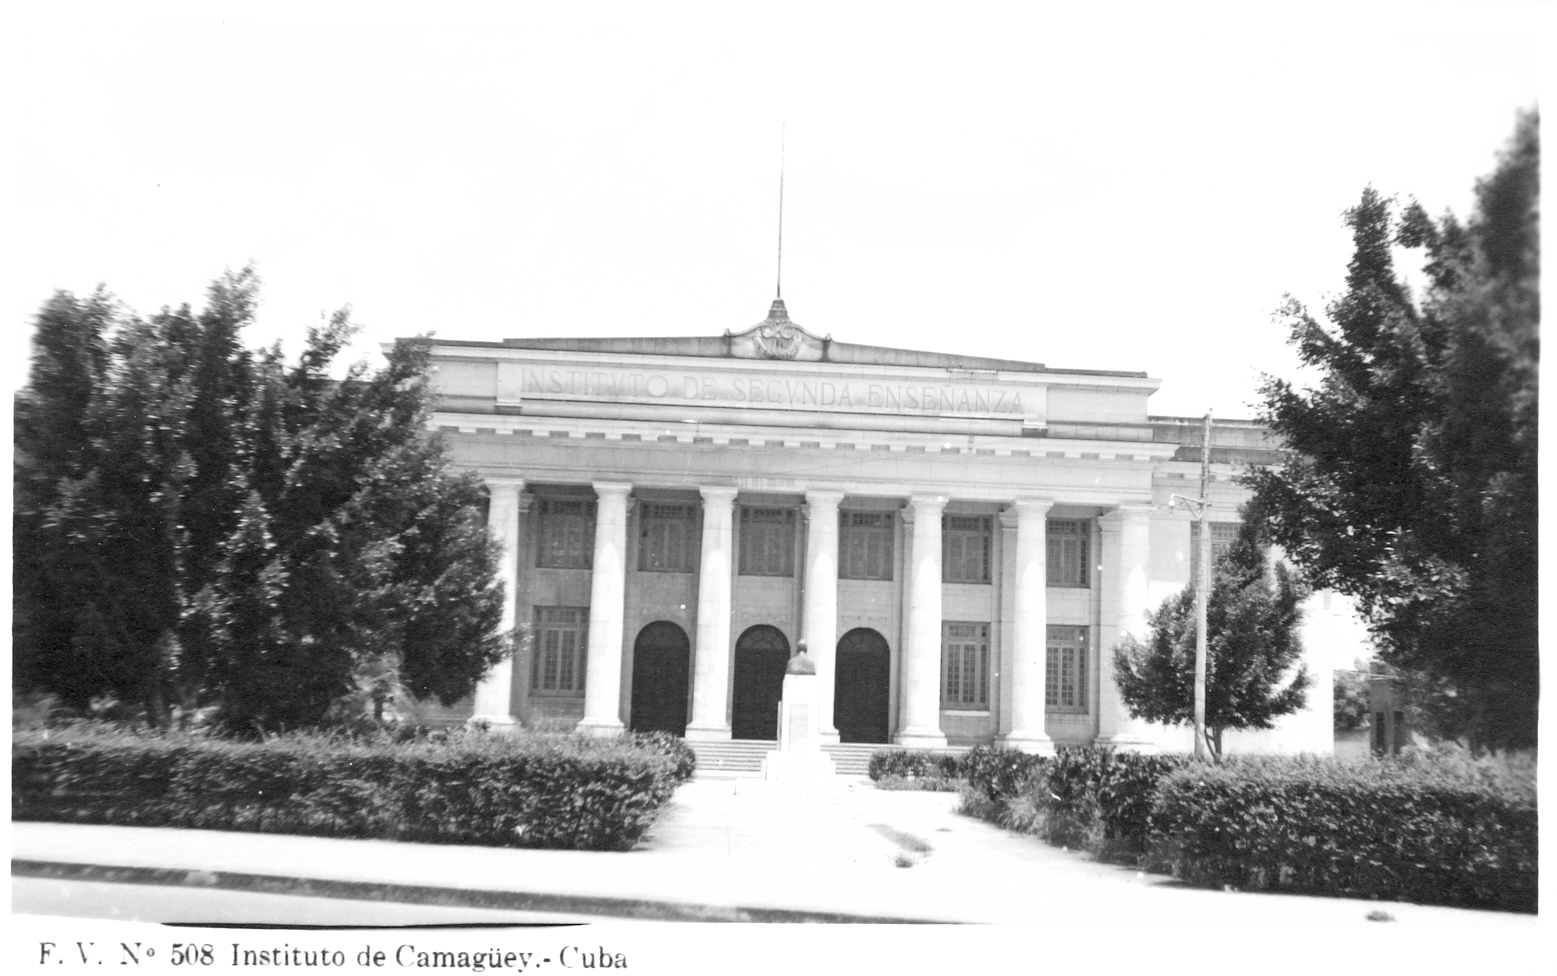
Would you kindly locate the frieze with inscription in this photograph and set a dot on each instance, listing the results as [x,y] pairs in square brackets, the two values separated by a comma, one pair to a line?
[766,391]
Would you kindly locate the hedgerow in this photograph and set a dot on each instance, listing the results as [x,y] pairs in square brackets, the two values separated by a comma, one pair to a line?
[514,791]
[1435,830]
[998,774]
[912,764]
[1092,798]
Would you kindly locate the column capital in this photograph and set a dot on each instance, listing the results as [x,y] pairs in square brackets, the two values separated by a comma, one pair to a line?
[607,489]
[1125,511]
[824,496]
[495,482]
[1031,507]
[718,493]
[928,503]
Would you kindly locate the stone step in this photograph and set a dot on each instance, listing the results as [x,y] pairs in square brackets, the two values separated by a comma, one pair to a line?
[745,756]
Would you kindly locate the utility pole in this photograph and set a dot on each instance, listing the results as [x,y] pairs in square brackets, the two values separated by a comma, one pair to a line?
[1202,582]
[1202,589]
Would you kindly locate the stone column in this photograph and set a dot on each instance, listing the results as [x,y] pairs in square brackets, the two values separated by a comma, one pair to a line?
[1126,552]
[711,656]
[921,715]
[821,601]
[607,591]
[494,693]
[1030,629]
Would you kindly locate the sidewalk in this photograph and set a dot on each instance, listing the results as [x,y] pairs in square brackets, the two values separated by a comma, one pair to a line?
[713,856]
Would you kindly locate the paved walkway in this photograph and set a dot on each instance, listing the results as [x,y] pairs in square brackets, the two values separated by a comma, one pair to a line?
[715,855]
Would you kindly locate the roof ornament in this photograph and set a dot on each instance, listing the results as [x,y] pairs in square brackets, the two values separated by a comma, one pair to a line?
[776,337]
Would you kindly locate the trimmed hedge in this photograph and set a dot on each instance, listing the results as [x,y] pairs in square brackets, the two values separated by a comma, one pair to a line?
[466,788]
[999,774]
[912,764]
[1432,830]
[1087,797]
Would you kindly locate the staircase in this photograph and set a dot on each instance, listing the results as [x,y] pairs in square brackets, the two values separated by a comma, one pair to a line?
[743,757]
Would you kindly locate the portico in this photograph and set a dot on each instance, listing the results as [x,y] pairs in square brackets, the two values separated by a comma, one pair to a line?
[958,540]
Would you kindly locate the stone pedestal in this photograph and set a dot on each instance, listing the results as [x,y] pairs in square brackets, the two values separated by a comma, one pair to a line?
[799,757]
[798,767]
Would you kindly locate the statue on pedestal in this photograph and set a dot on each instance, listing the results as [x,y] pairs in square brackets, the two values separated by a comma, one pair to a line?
[799,757]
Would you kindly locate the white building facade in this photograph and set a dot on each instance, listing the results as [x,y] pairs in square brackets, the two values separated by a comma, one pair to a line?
[959,541]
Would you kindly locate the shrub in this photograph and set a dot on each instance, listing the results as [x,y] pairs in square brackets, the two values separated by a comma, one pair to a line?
[458,787]
[1126,790]
[999,773]
[669,745]
[912,764]
[1091,798]
[1433,829]
[924,784]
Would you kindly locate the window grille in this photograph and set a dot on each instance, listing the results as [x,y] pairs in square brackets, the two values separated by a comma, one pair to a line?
[1067,543]
[1223,534]
[665,534]
[561,650]
[767,541]
[567,534]
[964,665]
[965,548]
[865,545]
[1065,672]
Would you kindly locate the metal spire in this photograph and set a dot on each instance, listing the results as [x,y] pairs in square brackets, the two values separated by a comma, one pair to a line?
[779,287]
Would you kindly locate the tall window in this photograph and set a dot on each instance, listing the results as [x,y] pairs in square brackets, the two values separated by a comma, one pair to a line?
[865,545]
[1223,535]
[965,547]
[964,665]
[567,534]
[665,538]
[1065,677]
[1067,544]
[561,647]
[767,541]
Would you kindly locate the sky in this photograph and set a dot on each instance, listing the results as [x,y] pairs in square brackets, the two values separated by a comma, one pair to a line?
[1123,187]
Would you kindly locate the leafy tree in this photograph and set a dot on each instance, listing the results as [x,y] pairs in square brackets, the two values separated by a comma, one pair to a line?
[1410,482]
[1351,698]
[1252,618]
[202,525]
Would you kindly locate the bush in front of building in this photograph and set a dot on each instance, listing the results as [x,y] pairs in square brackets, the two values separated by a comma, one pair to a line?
[921,784]
[672,746]
[1095,799]
[521,790]
[913,765]
[1433,829]
[994,774]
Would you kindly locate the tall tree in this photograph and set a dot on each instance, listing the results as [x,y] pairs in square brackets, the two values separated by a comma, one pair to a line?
[1254,670]
[1410,480]
[203,525]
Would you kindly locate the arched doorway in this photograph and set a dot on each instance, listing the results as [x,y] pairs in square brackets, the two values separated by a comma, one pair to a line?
[761,655]
[863,687]
[661,657]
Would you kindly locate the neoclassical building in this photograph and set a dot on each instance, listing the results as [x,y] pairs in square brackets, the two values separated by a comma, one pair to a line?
[958,540]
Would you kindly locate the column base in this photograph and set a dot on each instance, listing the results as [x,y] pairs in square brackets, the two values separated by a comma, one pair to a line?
[829,738]
[1029,742]
[600,729]
[504,722]
[1128,742]
[707,733]
[921,739]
